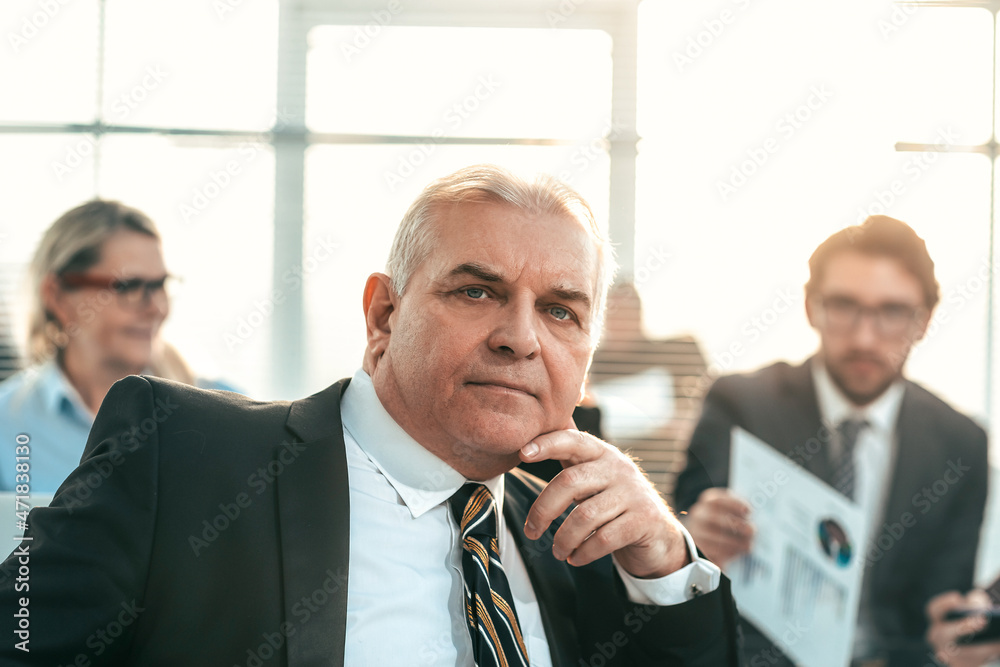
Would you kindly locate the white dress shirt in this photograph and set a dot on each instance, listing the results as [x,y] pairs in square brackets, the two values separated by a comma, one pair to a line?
[405,601]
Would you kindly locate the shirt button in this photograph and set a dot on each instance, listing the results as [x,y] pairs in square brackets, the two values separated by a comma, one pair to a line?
[696,591]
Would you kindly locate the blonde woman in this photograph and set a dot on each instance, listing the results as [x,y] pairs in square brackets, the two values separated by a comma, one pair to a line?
[99,299]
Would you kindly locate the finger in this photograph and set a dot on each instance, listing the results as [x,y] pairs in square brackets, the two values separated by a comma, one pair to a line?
[722,523]
[978,599]
[585,519]
[607,539]
[722,547]
[980,654]
[568,446]
[731,505]
[943,603]
[723,497]
[573,484]
[968,656]
[948,633]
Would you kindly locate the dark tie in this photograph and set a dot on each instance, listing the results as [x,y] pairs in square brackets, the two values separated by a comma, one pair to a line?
[843,465]
[489,605]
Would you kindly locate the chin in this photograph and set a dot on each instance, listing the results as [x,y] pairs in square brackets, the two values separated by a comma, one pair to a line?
[863,394]
[142,362]
[498,439]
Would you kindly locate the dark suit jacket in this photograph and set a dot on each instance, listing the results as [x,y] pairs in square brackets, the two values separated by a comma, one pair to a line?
[937,446]
[204,528]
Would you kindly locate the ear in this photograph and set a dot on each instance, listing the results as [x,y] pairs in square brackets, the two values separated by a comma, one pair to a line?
[52,297]
[379,304]
[921,329]
[810,312]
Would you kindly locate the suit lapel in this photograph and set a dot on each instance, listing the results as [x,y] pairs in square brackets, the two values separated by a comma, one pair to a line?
[801,422]
[913,435]
[550,578]
[313,499]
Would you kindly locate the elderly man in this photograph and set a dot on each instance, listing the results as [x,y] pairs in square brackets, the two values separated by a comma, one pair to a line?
[378,522]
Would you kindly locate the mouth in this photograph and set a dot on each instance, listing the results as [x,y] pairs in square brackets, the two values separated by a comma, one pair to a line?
[864,362]
[133,332]
[503,387]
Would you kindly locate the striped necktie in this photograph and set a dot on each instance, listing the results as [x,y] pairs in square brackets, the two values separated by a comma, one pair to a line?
[843,465]
[489,605]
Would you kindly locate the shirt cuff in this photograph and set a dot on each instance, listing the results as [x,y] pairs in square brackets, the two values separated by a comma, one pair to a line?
[698,577]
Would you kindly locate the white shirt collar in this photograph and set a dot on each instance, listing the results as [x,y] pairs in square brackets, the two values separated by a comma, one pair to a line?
[421,479]
[881,414]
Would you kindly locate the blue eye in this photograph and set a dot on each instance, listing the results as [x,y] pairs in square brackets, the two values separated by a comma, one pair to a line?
[475,292]
[560,313]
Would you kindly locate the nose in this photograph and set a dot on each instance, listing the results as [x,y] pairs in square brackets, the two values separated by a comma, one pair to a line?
[157,301]
[515,333]
[866,332]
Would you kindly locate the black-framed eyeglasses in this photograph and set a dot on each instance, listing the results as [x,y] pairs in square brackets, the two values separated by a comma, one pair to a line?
[843,313]
[129,291]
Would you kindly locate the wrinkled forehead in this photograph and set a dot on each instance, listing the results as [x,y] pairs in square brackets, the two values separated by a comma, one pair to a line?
[556,242]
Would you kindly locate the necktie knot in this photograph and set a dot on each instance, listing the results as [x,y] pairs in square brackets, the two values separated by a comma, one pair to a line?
[849,430]
[843,465]
[473,509]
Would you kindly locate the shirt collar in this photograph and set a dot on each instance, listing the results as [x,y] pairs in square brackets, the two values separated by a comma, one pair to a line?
[59,396]
[881,414]
[420,478]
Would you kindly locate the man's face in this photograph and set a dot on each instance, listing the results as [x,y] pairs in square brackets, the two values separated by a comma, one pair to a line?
[869,312]
[489,346]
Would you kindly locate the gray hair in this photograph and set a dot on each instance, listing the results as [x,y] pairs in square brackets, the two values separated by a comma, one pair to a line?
[73,244]
[486,183]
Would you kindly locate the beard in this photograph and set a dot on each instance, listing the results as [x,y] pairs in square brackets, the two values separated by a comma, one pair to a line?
[862,389]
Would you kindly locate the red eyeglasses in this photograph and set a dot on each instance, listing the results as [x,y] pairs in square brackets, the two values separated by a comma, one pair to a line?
[130,291]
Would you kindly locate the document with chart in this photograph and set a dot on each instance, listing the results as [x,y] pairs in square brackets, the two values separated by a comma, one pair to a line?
[801,582]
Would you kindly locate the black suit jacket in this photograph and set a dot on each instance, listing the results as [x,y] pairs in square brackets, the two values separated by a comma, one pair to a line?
[939,479]
[203,528]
